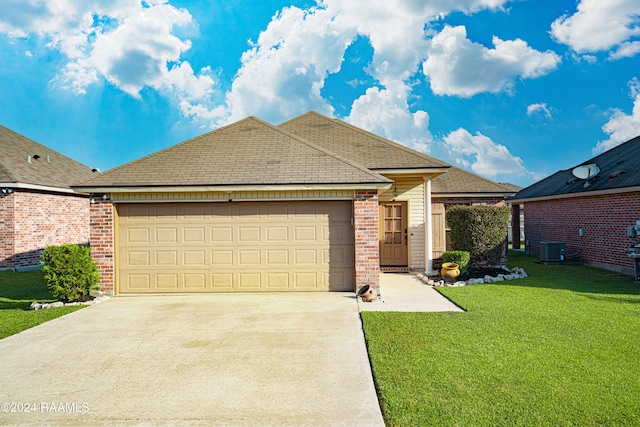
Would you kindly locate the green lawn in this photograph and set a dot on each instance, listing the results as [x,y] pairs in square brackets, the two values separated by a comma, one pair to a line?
[17,292]
[561,348]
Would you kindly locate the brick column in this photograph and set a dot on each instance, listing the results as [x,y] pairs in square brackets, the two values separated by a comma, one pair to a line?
[515,226]
[102,240]
[365,221]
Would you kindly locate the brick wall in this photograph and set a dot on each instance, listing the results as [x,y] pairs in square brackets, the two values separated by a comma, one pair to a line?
[35,220]
[604,220]
[365,207]
[6,231]
[102,241]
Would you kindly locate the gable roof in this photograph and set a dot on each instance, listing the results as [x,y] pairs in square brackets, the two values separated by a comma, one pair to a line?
[619,172]
[26,164]
[459,181]
[248,152]
[368,149]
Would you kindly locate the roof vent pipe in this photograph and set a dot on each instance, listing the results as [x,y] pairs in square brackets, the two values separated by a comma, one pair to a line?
[48,158]
[29,159]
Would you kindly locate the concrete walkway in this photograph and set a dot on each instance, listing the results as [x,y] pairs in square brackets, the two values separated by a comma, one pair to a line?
[405,292]
[233,360]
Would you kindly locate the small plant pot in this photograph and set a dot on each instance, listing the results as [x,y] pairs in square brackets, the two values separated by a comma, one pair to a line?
[450,270]
[367,293]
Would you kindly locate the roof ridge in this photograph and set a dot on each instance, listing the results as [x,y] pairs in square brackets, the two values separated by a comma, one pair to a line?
[373,135]
[328,152]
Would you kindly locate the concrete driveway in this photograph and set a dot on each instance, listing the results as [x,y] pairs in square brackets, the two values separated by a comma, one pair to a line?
[232,359]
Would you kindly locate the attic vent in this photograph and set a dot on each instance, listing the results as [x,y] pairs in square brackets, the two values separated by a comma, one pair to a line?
[36,157]
[247,129]
[617,173]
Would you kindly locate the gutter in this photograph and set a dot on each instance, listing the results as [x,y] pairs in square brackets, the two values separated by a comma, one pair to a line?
[232,188]
[24,186]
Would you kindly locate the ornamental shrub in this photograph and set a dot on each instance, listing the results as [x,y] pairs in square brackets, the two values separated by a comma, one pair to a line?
[482,231]
[69,272]
[459,257]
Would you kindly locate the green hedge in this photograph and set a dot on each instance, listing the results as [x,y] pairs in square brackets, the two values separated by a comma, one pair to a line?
[480,230]
[459,257]
[69,272]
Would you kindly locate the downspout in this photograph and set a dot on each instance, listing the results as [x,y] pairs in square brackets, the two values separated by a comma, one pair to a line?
[428,225]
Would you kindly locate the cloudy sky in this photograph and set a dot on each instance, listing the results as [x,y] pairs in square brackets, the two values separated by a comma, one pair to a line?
[511,90]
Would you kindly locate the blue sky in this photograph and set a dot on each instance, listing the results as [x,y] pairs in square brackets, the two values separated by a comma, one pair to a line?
[511,90]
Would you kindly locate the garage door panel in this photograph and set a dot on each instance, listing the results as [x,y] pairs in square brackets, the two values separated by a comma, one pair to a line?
[244,246]
[249,280]
[221,234]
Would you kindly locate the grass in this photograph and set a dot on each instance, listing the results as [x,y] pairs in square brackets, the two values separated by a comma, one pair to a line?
[17,292]
[561,348]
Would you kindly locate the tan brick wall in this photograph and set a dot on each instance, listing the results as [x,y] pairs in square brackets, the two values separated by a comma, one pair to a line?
[37,220]
[604,220]
[365,219]
[103,241]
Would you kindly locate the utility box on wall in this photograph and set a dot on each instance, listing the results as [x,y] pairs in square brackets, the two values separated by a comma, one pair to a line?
[552,251]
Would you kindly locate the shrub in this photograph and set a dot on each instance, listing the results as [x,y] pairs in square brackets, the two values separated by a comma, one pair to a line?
[69,272]
[459,257]
[481,230]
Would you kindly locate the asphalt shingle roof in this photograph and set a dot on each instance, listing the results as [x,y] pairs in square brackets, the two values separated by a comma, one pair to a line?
[248,152]
[50,169]
[619,169]
[368,149]
[457,180]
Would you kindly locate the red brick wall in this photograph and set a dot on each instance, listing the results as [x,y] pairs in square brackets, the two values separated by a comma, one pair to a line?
[604,220]
[365,207]
[102,241]
[6,230]
[38,220]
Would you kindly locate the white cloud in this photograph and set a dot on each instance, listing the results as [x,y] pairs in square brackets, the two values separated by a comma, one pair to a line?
[482,155]
[457,66]
[540,108]
[387,114]
[315,40]
[598,25]
[128,43]
[626,50]
[283,74]
[622,127]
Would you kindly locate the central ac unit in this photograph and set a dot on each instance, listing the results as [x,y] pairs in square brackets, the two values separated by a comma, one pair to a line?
[552,251]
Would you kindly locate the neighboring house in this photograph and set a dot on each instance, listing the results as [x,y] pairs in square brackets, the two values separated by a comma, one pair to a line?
[591,216]
[37,206]
[314,204]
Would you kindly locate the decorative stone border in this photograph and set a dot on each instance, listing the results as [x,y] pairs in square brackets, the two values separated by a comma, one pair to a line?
[437,280]
[41,305]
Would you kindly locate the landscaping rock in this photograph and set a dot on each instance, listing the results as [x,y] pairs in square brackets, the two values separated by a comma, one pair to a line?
[437,280]
[42,305]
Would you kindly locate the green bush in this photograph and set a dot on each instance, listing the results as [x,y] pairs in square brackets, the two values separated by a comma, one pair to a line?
[480,230]
[69,272]
[459,257]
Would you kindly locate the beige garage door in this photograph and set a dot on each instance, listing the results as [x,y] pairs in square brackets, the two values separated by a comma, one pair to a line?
[235,247]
